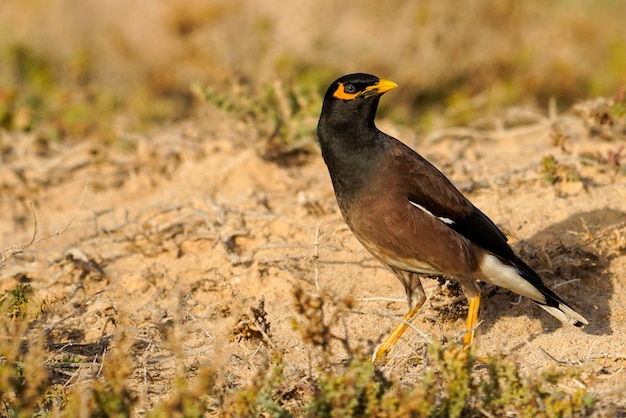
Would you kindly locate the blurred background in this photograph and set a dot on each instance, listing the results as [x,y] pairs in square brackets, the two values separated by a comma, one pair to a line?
[72,70]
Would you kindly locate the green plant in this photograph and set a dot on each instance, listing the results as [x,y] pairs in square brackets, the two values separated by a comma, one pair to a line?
[553,172]
[356,390]
[260,396]
[23,382]
[15,302]
[548,169]
[283,116]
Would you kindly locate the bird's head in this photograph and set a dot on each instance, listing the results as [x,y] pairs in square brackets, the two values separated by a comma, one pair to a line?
[353,100]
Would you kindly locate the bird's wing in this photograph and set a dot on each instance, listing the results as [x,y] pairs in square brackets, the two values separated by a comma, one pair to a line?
[430,191]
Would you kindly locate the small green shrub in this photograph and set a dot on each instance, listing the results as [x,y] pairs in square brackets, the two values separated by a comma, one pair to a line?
[284,117]
[553,172]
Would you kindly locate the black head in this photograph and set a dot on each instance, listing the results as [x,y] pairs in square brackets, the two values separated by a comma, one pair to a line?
[347,134]
[351,101]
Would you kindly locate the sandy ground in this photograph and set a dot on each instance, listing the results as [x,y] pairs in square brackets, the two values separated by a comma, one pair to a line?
[188,229]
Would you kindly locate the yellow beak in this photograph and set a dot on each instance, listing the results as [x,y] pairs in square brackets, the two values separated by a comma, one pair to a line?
[379,88]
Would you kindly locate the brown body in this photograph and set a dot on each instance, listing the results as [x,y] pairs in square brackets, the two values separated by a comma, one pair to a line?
[399,234]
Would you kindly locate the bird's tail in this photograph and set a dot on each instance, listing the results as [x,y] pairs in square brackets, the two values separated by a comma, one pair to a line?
[551,302]
[521,279]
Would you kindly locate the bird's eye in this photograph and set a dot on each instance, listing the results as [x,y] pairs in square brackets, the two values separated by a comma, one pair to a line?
[349,88]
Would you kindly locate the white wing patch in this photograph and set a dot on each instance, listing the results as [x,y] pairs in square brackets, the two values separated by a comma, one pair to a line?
[446,221]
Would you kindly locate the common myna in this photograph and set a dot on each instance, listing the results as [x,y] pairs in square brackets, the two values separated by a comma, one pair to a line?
[409,216]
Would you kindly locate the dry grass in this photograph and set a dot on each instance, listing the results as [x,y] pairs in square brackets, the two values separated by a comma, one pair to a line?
[61,373]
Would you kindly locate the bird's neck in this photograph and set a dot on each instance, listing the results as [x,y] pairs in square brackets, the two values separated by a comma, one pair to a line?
[350,144]
[351,157]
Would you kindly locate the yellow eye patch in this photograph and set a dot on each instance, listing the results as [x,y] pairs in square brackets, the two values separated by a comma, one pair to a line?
[340,93]
[378,88]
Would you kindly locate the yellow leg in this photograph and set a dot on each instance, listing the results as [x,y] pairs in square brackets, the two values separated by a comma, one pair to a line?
[395,335]
[470,324]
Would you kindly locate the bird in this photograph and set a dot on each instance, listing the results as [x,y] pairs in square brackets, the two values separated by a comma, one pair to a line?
[410,216]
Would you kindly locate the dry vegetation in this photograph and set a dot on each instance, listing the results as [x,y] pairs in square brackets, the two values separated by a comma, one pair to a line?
[170,242]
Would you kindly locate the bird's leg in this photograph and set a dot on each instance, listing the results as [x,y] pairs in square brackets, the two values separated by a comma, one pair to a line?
[395,335]
[416,298]
[472,292]
[470,323]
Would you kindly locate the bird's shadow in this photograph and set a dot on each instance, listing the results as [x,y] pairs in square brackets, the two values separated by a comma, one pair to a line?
[573,258]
